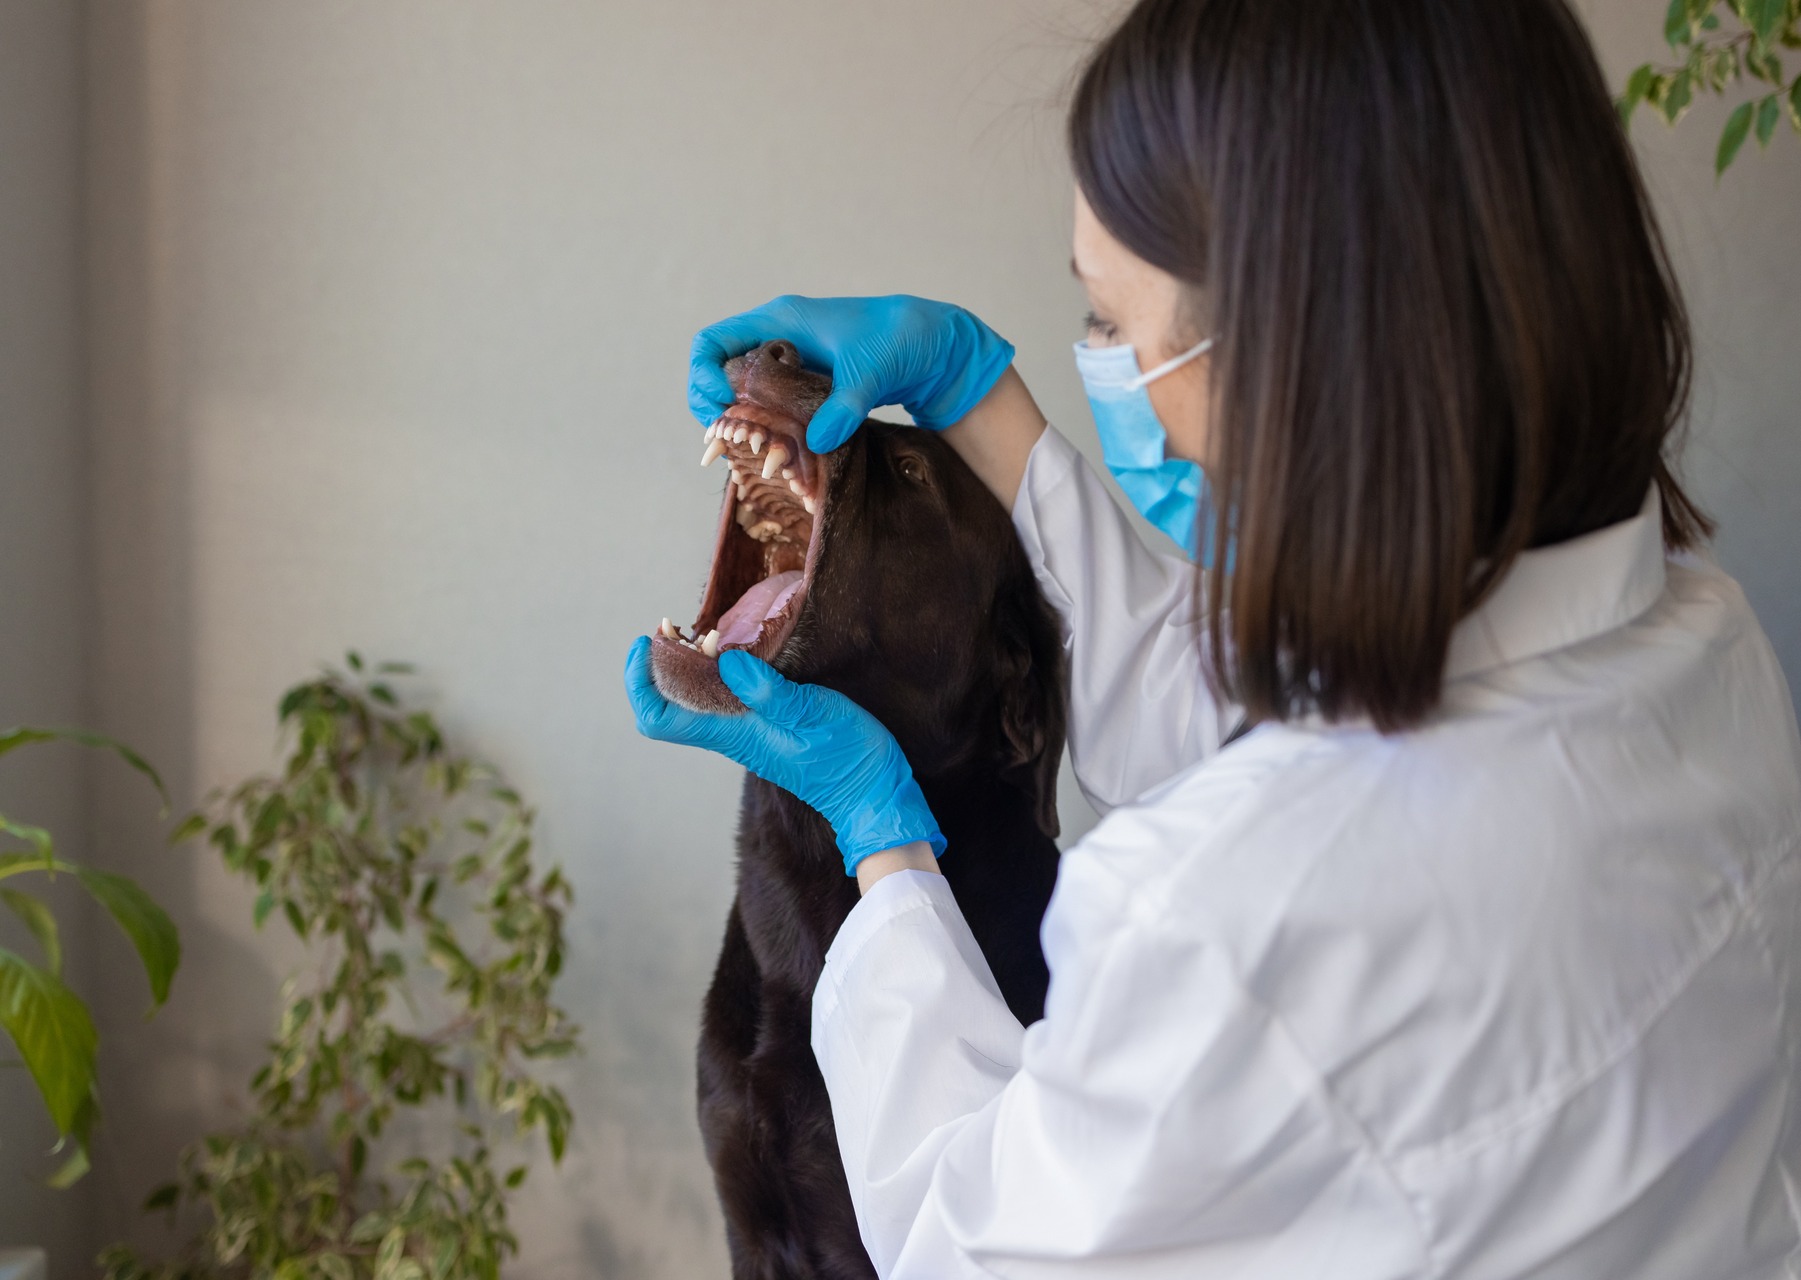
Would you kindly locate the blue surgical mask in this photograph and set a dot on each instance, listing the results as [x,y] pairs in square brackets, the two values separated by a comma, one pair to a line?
[1171,493]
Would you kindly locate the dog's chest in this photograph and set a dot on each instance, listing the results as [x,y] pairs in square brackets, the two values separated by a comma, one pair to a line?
[792,890]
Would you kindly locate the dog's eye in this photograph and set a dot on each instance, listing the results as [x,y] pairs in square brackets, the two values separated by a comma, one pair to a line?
[912,468]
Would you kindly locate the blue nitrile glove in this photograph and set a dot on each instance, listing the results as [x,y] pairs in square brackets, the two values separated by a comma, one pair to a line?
[812,741]
[933,359]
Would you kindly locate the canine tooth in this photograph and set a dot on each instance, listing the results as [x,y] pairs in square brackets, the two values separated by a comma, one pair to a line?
[668,629]
[773,463]
[807,502]
[756,441]
[710,646]
[716,448]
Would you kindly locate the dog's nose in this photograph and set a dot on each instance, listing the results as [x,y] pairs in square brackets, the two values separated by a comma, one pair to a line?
[782,351]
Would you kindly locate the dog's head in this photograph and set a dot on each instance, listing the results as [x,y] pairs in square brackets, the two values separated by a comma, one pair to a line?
[885,570]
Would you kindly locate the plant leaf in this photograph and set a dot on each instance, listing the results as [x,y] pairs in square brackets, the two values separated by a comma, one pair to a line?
[1635,91]
[146,924]
[1764,17]
[1738,128]
[43,849]
[1769,111]
[1678,97]
[54,1034]
[190,827]
[42,924]
[24,735]
[1677,25]
[72,1170]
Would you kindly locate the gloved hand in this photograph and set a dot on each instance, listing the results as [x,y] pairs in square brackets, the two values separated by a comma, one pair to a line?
[933,359]
[812,741]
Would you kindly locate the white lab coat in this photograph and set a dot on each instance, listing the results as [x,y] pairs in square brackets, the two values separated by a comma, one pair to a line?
[1515,994]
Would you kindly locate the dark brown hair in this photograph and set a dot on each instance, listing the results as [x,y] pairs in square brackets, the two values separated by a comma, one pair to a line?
[1447,329]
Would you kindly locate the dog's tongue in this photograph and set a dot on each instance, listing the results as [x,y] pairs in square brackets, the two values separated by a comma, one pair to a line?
[744,620]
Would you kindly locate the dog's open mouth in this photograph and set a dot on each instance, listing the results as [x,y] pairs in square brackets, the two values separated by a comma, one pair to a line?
[763,562]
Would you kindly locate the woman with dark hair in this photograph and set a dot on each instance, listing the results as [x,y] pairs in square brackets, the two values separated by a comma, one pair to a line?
[1479,953]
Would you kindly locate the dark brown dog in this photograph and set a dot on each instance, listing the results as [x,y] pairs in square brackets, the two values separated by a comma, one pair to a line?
[886,571]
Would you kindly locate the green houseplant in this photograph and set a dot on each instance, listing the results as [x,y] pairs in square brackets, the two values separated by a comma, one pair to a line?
[48,1023]
[1718,45]
[434,943]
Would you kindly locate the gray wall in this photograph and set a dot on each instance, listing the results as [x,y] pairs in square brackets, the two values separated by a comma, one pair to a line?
[1737,247]
[45,584]
[391,310]
[388,319]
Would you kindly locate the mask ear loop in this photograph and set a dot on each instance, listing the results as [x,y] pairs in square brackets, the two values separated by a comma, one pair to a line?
[1168,366]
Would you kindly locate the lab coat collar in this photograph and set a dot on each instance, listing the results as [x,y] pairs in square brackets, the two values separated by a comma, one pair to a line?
[1563,594]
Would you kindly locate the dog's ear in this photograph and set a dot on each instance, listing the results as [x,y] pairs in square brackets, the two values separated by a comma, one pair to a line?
[1032,695]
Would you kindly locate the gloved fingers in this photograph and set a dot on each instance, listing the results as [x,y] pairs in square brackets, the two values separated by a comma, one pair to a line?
[663,720]
[766,691]
[709,390]
[655,715]
[966,387]
[838,418]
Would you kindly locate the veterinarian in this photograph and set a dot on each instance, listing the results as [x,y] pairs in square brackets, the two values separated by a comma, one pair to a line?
[1480,953]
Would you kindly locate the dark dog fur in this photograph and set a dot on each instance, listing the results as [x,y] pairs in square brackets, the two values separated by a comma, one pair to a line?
[923,609]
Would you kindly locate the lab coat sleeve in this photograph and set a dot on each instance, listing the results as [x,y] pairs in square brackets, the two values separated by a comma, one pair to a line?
[1156,1122]
[1140,709]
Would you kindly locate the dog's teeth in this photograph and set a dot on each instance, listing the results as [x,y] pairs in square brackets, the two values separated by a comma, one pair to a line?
[743,491]
[773,463]
[798,488]
[764,530]
[710,646]
[807,502]
[714,450]
[668,629]
[787,473]
[740,434]
[756,441]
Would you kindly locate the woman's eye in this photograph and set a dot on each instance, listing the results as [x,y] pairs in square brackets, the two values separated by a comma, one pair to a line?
[1100,328]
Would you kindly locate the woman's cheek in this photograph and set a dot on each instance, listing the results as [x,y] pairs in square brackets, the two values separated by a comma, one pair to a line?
[1182,406]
